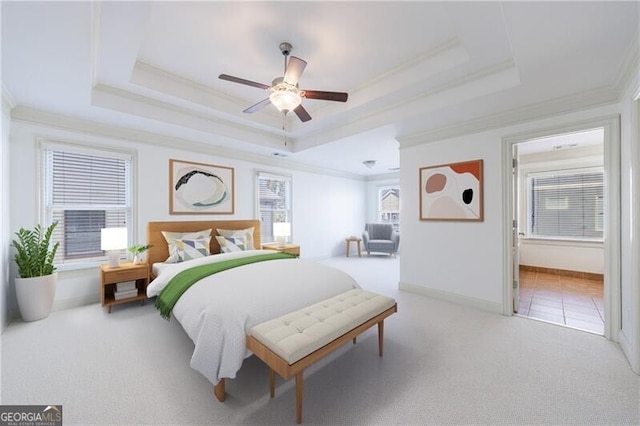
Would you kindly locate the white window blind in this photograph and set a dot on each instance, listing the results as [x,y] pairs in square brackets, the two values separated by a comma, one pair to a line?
[389,205]
[85,192]
[567,205]
[274,202]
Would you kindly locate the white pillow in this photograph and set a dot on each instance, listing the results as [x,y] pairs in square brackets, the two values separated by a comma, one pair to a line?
[247,233]
[187,246]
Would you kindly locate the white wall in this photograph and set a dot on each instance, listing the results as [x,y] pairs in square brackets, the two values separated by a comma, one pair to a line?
[453,260]
[5,235]
[324,217]
[326,209]
[569,256]
[463,261]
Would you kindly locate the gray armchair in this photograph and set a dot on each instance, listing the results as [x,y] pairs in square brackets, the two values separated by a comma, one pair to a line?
[380,237]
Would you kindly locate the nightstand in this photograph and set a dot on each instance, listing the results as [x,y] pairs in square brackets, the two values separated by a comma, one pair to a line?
[288,248]
[354,240]
[110,277]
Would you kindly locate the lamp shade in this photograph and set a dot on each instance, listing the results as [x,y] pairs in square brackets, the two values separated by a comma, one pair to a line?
[113,239]
[282,229]
[285,100]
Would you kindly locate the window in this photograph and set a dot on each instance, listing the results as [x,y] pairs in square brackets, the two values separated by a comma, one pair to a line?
[82,233]
[274,202]
[389,205]
[84,191]
[567,205]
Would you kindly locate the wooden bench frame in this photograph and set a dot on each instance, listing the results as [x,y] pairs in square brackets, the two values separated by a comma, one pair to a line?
[286,370]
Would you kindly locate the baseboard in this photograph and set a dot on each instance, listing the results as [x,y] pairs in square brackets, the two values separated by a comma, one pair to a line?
[627,349]
[472,302]
[564,272]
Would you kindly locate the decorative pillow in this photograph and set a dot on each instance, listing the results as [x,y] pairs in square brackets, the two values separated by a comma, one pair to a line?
[247,233]
[187,249]
[187,246]
[230,244]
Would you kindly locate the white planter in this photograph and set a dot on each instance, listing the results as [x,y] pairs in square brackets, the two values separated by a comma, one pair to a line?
[35,296]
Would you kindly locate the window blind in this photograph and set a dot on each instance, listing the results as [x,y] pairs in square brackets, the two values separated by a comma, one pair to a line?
[274,202]
[85,192]
[567,205]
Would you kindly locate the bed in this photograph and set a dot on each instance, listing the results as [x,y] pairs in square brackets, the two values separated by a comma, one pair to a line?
[218,311]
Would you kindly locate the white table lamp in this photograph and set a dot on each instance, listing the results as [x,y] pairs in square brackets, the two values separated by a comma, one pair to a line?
[113,240]
[281,231]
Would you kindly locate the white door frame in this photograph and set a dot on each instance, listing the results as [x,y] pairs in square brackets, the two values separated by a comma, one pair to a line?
[612,267]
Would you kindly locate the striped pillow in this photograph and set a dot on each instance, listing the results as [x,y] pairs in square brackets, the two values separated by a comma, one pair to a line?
[247,233]
[231,244]
[187,246]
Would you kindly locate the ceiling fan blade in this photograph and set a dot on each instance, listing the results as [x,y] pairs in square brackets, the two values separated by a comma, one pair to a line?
[253,108]
[302,113]
[242,81]
[294,70]
[326,96]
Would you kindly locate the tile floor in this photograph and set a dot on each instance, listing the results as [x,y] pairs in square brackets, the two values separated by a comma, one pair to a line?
[575,302]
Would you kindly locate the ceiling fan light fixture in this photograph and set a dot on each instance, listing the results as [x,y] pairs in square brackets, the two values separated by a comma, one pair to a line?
[285,99]
[369,163]
[285,93]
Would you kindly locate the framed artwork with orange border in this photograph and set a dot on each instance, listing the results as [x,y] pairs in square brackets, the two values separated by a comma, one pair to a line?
[452,191]
[199,188]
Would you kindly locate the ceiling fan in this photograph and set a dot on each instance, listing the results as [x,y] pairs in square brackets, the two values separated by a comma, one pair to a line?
[285,93]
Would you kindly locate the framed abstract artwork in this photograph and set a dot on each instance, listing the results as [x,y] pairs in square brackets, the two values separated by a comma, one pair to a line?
[198,188]
[452,191]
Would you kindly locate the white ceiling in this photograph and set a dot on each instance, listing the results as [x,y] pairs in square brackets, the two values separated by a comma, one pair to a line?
[414,71]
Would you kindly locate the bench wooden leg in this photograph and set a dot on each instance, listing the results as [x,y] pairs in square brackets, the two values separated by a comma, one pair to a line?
[354,340]
[380,337]
[272,382]
[299,397]
[219,391]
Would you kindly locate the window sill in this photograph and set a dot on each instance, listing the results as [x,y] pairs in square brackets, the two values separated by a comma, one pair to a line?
[561,242]
[90,264]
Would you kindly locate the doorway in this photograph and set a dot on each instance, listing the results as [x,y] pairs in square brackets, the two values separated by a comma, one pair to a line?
[560,210]
[562,236]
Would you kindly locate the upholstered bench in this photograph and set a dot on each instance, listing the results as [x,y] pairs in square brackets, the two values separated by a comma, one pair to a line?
[293,342]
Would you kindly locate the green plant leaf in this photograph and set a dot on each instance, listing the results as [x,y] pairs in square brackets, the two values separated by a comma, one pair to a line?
[34,256]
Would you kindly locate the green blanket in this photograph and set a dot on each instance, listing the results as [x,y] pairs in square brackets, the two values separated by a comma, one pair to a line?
[181,282]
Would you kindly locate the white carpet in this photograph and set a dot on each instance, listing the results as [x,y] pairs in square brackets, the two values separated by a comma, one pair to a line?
[443,364]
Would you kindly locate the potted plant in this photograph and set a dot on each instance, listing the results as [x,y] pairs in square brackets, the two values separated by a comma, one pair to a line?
[36,284]
[137,251]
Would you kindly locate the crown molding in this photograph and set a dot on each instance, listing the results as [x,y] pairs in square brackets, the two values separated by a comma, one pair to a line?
[43,118]
[488,80]
[142,106]
[440,59]
[94,42]
[7,98]
[157,79]
[444,57]
[631,66]
[564,105]
[386,176]
[164,82]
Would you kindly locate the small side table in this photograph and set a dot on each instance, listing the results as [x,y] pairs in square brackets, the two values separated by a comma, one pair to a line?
[353,240]
[288,248]
[110,277]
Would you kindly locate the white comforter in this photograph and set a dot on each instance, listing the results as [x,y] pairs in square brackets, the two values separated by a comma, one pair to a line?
[218,311]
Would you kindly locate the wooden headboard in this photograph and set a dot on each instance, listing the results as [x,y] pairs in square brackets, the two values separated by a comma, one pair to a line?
[160,250]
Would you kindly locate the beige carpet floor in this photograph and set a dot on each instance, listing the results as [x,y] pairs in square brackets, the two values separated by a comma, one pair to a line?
[443,364]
